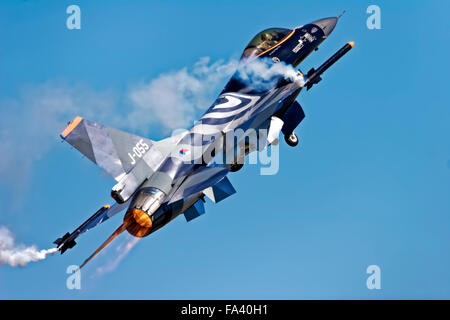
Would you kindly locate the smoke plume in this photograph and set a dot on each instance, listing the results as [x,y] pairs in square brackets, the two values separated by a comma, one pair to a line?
[31,126]
[263,74]
[31,123]
[17,254]
[172,100]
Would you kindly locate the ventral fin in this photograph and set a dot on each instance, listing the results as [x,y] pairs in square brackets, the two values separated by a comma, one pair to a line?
[195,211]
[220,191]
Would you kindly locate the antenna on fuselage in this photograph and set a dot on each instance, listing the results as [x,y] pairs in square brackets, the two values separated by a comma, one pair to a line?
[341,14]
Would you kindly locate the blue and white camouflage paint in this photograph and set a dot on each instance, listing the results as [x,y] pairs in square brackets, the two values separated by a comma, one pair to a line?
[158,180]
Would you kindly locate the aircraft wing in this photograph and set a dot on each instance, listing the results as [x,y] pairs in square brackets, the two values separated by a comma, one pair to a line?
[203,179]
[114,151]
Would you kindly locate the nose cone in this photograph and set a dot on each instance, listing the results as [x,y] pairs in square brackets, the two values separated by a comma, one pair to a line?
[327,25]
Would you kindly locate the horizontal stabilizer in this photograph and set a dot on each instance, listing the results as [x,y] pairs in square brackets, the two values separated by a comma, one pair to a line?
[196,210]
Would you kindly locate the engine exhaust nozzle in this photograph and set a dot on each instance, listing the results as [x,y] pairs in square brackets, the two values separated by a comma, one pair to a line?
[138,219]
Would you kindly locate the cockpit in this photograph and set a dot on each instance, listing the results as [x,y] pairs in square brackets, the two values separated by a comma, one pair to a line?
[263,41]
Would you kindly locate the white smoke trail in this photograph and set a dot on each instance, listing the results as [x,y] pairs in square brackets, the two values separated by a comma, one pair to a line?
[31,122]
[263,74]
[121,250]
[169,101]
[172,99]
[18,255]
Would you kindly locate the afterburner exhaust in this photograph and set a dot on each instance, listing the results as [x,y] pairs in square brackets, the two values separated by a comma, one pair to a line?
[138,218]
[118,231]
[138,223]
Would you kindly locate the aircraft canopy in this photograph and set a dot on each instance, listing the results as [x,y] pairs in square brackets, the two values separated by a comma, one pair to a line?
[264,40]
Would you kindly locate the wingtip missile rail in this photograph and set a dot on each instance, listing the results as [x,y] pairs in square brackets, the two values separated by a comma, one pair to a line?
[313,76]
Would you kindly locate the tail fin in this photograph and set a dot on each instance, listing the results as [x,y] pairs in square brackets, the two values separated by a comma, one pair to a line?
[114,151]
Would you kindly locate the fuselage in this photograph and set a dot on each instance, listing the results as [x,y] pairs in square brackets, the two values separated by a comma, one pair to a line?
[240,105]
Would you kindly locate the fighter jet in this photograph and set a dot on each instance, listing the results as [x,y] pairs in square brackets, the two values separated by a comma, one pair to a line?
[156,181]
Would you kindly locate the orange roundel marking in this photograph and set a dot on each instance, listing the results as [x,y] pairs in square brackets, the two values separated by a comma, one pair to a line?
[72,125]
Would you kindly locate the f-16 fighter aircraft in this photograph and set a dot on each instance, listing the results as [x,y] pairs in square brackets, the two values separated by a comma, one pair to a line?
[159,180]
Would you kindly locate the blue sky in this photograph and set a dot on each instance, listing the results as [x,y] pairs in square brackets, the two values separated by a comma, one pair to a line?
[369,184]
